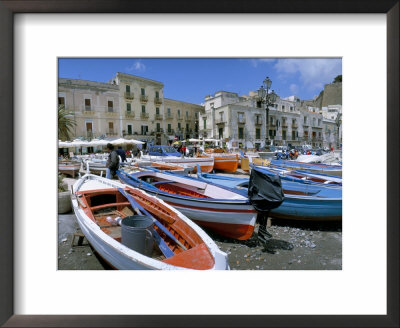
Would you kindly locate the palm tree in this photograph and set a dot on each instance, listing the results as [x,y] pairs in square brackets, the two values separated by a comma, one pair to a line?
[65,123]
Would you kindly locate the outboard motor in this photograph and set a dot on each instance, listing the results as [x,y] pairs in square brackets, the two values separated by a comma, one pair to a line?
[265,193]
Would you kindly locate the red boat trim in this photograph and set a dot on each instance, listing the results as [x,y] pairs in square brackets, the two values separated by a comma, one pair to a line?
[212,209]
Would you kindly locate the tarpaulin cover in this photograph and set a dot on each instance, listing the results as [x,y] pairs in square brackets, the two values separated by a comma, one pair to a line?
[265,191]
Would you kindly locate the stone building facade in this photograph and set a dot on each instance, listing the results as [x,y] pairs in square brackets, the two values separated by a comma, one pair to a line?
[127,106]
[240,121]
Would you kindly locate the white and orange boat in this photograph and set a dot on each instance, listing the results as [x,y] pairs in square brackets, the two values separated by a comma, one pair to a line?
[206,163]
[69,167]
[105,210]
[223,162]
[218,208]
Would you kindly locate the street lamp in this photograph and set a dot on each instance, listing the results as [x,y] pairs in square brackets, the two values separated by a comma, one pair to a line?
[268,98]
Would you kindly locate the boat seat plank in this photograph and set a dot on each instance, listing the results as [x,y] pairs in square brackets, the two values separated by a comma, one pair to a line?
[161,182]
[94,208]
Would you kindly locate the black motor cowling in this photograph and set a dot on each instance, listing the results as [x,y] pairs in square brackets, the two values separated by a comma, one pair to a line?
[265,191]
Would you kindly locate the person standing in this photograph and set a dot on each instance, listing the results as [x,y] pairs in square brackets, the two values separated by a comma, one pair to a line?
[112,162]
[121,153]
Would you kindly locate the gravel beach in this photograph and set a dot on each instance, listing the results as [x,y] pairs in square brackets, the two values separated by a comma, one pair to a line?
[295,245]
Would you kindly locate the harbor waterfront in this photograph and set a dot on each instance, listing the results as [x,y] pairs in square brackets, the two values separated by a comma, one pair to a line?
[316,245]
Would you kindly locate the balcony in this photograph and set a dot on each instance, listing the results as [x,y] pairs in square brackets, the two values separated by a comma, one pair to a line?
[258,121]
[294,125]
[128,95]
[159,130]
[179,118]
[143,99]
[111,133]
[241,120]
[171,132]
[144,115]
[158,117]
[111,113]
[88,108]
[169,117]
[220,121]
[88,112]
[129,114]
[272,125]
[157,101]
[284,125]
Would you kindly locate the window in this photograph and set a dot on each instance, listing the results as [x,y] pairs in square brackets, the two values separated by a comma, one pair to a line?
[129,128]
[143,109]
[158,127]
[144,129]
[187,127]
[110,106]
[240,133]
[61,101]
[128,88]
[305,120]
[142,91]
[293,135]
[313,121]
[128,107]
[319,122]
[89,129]
[157,111]
[187,114]
[205,123]
[87,104]
[283,107]
[212,105]
[291,108]
[220,133]
[169,127]
[284,135]
[157,94]
[258,134]
[179,113]
[179,126]
[169,111]
[111,127]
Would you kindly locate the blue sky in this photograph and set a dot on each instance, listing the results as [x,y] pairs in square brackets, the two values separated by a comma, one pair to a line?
[191,79]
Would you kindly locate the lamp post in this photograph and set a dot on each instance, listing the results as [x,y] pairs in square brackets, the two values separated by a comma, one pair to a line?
[268,98]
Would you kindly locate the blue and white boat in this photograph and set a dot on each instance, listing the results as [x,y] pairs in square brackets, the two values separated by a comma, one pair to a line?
[222,209]
[302,201]
[310,167]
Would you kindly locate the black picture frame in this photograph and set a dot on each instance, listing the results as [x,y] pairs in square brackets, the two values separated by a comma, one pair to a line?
[7,11]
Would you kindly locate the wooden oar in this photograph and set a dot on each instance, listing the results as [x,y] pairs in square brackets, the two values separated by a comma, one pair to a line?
[137,207]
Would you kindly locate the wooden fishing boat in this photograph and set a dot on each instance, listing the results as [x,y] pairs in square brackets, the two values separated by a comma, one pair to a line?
[206,163]
[315,167]
[220,209]
[302,201]
[69,167]
[99,204]
[223,162]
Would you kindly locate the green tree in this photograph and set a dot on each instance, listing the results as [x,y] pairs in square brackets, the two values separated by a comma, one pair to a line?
[338,78]
[65,123]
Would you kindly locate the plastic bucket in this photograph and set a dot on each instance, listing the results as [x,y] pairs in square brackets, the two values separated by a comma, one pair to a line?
[135,233]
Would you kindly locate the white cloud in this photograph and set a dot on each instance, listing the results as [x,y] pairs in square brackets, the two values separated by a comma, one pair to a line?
[314,73]
[256,62]
[294,89]
[136,66]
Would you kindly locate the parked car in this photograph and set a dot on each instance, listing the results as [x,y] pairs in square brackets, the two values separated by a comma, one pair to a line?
[162,150]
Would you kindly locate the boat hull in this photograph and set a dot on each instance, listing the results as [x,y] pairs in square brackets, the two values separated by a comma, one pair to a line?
[230,218]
